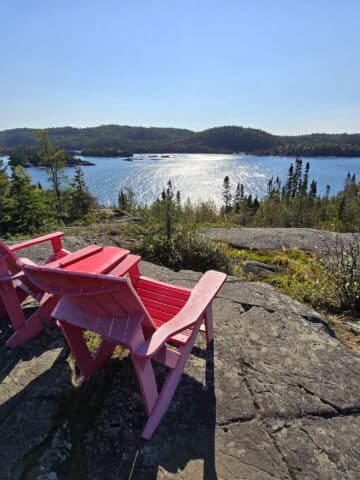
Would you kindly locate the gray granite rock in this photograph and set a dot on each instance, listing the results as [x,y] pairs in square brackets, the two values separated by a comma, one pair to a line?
[307,239]
[258,269]
[277,397]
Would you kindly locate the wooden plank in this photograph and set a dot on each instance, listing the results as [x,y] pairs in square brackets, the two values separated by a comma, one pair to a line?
[75,256]
[163,288]
[99,262]
[160,306]
[36,241]
[156,314]
[167,300]
[127,264]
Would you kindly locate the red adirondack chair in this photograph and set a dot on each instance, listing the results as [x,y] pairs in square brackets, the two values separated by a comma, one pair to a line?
[15,288]
[143,315]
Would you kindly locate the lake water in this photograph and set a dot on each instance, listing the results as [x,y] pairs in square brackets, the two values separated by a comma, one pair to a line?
[200,176]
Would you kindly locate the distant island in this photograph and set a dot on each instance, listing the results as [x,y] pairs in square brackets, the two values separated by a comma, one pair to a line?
[30,156]
[122,141]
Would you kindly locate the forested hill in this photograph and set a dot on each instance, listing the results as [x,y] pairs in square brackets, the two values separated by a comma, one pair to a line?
[113,139]
[70,138]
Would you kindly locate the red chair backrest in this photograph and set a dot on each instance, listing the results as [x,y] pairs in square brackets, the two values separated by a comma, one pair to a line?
[9,258]
[106,305]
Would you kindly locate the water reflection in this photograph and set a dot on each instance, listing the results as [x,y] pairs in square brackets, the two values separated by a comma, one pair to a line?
[200,176]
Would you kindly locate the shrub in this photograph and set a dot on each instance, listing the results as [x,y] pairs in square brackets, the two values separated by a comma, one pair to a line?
[344,265]
[185,250]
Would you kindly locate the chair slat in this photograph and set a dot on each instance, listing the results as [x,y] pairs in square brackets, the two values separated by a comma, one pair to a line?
[157,314]
[165,299]
[160,306]
[163,288]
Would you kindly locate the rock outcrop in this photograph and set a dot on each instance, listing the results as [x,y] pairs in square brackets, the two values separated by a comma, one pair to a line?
[277,396]
[306,239]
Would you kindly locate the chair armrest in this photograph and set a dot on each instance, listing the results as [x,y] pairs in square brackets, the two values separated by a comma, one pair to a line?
[54,238]
[74,257]
[201,297]
[125,266]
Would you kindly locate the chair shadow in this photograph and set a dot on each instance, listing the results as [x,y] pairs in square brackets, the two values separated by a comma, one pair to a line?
[104,418]
[9,357]
[185,439]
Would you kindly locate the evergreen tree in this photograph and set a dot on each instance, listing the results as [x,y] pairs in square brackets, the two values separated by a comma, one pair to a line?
[227,194]
[237,198]
[81,200]
[169,204]
[31,208]
[55,161]
[126,200]
[6,201]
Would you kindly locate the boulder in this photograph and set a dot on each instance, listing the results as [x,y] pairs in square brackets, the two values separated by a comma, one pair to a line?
[258,269]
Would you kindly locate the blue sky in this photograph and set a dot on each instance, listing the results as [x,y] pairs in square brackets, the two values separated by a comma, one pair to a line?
[283,66]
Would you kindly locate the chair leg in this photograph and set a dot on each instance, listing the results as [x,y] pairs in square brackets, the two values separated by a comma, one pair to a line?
[169,387]
[2,308]
[21,294]
[145,375]
[12,305]
[88,364]
[104,352]
[33,325]
[209,326]
[78,346]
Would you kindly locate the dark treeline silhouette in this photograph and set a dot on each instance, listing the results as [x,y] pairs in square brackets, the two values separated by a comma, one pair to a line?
[30,156]
[116,140]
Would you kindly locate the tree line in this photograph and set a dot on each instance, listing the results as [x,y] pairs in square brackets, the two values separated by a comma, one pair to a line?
[110,139]
[295,203]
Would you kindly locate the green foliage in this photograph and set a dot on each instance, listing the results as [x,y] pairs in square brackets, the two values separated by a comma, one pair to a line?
[126,200]
[168,235]
[344,273]
[227,195]
[296,204]
[30,156]
[300,275]
[80,202]
[29,209]
[185,250]
[6,201]
[54,161]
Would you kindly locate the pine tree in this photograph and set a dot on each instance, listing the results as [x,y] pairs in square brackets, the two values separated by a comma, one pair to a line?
[227,194]
[54,161]
[31,209]
[237,198]
[6,201]
[81,200]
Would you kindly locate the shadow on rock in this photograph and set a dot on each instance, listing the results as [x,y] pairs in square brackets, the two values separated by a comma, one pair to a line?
[183,442]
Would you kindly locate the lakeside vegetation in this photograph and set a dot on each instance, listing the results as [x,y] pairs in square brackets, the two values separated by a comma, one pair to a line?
[167,232]
[30,209]
[170,235]
[117,140]
[30,156]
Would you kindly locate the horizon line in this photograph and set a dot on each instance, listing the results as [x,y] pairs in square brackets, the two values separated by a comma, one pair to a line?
[184,128]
